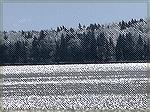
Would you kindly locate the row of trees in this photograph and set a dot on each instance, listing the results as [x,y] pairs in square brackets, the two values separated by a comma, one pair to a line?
[127,49]
[73,47]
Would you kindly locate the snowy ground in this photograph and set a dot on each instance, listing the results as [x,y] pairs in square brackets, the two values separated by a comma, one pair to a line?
[83,86]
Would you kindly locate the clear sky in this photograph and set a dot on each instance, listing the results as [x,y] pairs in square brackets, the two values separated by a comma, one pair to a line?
[37,16]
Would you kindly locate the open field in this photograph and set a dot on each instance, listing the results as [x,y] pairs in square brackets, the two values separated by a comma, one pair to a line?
[87,86]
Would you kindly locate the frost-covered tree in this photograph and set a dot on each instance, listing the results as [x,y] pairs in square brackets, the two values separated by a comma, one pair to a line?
[111,50]
[123,41]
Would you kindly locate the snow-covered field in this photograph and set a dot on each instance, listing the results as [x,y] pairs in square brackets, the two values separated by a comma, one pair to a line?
[73,68]
[77,102]
[78,86]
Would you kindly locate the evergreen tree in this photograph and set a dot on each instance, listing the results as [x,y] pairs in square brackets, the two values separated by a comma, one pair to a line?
[123,25]
[3,54]
[41,35]
[63,49]
[98,25]
[20,53]
[57,52]
[120,24]
[147,50]
[102,44]
[84,26]
[120,54]
[129,47]
[111,50]
[63,27]
[58,30]
[29,35]
[68,37]
[132,21]
[71,30]
[24,53]
[141,20]
[95,26]
[92,27]
[22,32]
[5,37]
[139,49]
[129,23]
[35,50]
[80,27]
[85,46]
[93,46]
[74,50]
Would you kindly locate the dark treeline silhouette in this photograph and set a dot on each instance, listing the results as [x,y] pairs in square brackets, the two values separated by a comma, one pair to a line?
[89,44]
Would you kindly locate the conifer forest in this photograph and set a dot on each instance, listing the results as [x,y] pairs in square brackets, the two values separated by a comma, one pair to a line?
[125,41]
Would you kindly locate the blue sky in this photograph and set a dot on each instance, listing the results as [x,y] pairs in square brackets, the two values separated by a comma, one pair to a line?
[37,16]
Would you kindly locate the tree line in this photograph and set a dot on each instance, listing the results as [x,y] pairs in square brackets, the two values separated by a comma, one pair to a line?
[83,45]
